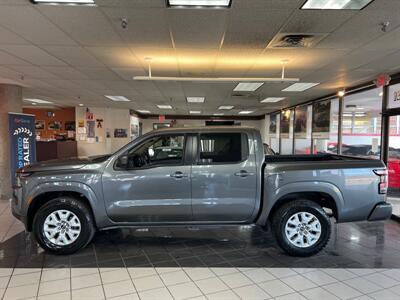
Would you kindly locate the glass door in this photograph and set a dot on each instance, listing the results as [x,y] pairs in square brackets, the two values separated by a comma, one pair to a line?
[394,164]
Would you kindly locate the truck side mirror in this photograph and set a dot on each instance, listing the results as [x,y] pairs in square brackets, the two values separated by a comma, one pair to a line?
[122,161]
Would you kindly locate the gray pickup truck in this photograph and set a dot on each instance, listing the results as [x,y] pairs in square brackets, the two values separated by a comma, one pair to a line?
[211,176]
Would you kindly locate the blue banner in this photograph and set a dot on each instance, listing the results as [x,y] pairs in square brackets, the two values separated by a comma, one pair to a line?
[22,141]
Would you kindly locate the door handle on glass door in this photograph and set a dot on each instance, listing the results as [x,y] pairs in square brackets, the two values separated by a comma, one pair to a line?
[243,173]
[178,174]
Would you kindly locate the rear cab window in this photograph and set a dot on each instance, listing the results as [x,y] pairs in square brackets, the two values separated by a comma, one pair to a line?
[222,148]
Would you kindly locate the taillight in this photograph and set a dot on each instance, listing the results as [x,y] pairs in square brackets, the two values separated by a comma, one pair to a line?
[383,180]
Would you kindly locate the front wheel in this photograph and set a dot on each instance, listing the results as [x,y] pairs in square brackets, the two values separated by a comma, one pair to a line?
[301,227]
[63,225]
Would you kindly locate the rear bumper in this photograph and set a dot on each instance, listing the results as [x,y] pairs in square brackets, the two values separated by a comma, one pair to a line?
[381,211]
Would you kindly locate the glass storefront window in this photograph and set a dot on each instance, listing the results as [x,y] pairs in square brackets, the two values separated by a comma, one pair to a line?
[325,122]
[361,127]
[287,131]
[302,129]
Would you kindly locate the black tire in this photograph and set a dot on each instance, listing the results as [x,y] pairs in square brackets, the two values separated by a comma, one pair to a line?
[80,210]
[285,212]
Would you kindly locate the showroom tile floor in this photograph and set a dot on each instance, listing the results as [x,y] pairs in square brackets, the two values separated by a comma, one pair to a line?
[362,261]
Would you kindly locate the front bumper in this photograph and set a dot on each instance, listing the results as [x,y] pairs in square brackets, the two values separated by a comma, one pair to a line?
[16,207]
[381,211]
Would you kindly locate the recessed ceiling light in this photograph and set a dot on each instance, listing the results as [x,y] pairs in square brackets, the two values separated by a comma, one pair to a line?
[80,104]
[245,112]
[37,101]
[336,4]
[118,98]
[299,87]
[193,112]
[226,107]
[341,93]
[162,106]
[272,99]
[195,99]
[68,2]
[143,111]
[247,86]
[199,3]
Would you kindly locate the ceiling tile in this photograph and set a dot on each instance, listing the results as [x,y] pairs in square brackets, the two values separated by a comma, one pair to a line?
[34,72]
[27,22]
[32,54]
[85,24]
[115,56]
[74,56]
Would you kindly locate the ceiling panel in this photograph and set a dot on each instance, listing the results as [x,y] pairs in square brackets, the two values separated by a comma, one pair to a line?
[74,56]
[146,27]
[27,22]
[85,24]
[99,73]
[34,72]
[128,73]
[8,37]
[253,28]
[115,56]
[197,28]
[135,4]
[8,59]
[66,72]
[32,54]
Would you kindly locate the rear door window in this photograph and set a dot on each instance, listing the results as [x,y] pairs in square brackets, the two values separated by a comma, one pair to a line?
[227,147]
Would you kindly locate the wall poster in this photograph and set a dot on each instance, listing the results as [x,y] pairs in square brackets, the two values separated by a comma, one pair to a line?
[285,123]
[300,122]
[394,96]
[321,119]
[272,123]
[23,141]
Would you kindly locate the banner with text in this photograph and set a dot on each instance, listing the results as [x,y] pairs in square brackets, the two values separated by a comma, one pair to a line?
[22,141]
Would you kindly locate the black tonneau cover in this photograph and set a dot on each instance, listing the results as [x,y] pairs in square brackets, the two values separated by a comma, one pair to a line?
[309,157]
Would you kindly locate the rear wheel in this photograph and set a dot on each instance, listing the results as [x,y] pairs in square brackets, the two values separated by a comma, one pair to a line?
[301,227]
[63,225]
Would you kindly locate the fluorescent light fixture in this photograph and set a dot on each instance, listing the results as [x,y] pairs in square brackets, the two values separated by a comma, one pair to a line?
[194,112]
[162,106]
[336,4]
[218,114]
[272,99]
[226,107]
[199,3]
[38,101]
[80,104]
[143,111]
[299,87]
[63,2]
[245,112]
[117,98]
[33,103]
[247,86]
[195,99]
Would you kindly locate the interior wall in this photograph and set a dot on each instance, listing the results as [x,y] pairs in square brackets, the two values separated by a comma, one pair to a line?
[112,119]
[148,124]
[60,115]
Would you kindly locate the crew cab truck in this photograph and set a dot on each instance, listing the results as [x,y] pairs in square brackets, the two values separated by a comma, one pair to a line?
[199,177]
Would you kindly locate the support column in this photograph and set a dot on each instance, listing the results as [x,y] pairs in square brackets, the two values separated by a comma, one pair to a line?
[10,101]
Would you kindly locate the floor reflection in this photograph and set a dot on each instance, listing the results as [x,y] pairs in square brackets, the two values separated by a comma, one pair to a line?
[353,245]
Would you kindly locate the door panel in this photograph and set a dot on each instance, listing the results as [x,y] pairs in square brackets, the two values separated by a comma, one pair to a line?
[149,195]
[223,191]
[150,183]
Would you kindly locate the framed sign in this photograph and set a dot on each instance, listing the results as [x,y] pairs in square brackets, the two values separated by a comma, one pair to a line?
[300,122]
[321,119]
[394,96]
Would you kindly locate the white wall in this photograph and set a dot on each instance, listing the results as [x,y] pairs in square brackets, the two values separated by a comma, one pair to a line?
[112,118]
[148,124]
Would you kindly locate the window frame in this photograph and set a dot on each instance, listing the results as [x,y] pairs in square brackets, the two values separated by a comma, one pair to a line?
[182,163]
[243,159]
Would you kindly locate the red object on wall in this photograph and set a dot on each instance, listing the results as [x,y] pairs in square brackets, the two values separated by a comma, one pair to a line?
[161,118]
[382,80]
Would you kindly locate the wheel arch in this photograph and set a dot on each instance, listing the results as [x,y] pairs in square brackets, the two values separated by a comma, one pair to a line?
[42,196]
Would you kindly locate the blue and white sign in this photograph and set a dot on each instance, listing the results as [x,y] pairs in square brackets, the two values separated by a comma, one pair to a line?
[22,141]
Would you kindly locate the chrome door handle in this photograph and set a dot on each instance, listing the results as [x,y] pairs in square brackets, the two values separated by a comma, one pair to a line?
[243,173]
[178,174]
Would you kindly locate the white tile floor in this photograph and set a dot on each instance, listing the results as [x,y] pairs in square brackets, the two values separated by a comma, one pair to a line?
[191,283]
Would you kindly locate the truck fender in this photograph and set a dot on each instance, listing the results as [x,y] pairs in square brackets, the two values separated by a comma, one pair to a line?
[272,197]
[96,206]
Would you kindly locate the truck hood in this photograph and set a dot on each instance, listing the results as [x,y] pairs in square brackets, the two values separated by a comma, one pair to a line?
[63,164]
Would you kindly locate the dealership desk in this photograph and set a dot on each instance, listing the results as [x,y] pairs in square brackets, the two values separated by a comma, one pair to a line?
[46,150]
